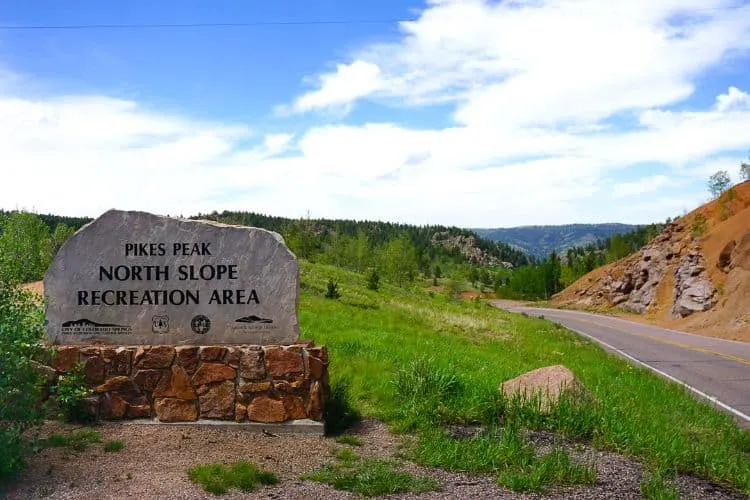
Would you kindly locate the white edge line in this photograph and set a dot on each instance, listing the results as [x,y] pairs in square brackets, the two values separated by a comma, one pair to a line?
[663,374]
[624,320]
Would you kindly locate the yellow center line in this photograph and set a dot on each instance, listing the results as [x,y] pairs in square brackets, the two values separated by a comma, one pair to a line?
[670,342]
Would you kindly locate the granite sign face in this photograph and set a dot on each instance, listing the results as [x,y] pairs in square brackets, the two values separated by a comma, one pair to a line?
[132,278]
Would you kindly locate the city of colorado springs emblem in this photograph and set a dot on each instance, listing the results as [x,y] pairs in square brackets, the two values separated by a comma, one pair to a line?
[200,324]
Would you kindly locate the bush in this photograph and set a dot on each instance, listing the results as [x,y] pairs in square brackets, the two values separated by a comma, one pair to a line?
[699,224]
[71,391]
[332,291]
[373,279]
[21,332]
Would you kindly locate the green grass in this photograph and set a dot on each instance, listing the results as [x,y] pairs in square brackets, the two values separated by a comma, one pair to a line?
[370,477]
[553,468]
[421,362]
[655,486]
[350,440]
[114,445]
[218,478]
[76,440]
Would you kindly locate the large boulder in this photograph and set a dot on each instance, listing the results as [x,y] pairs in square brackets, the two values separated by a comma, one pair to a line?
[548,384]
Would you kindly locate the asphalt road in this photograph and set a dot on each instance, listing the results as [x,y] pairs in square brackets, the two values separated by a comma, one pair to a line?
[713,369]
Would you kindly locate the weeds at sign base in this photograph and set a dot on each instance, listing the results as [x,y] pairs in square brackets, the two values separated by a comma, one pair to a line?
[218,478]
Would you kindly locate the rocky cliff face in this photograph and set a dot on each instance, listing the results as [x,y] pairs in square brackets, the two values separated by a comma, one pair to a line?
[634,283]
[467,245]
[694,276]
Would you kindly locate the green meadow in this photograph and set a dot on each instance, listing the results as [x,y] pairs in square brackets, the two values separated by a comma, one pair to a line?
[421,362]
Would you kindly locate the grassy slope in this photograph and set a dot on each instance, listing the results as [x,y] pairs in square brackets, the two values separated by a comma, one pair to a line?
[373,335]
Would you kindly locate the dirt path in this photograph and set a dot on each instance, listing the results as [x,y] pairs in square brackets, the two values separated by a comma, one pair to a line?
[155,461]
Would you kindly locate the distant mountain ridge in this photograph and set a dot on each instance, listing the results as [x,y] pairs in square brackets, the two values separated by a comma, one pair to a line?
[539,241]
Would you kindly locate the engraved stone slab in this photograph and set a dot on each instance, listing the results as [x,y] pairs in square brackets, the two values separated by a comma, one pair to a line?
[138,278]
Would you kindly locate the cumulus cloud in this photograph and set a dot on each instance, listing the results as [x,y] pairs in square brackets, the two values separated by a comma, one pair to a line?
[734,99]
[536,94]
[339,90]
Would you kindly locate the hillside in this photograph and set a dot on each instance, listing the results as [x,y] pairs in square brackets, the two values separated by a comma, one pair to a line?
[694,276]
[462,244]
[540,241]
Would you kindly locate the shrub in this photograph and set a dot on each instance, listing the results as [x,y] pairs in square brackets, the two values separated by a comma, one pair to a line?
[114,445]
[332,291]
[699,224]
[71,391]
[21,332]
[373,279]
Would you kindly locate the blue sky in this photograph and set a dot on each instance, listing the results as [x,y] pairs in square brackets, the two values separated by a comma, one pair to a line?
[470,113]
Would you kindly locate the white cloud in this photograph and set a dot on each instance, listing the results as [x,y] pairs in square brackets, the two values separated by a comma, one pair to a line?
[533,87]
[338,90]
[521,63]
[734,99]
[640,187]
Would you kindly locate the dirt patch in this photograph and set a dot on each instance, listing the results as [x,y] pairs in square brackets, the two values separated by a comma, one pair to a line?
[155,460]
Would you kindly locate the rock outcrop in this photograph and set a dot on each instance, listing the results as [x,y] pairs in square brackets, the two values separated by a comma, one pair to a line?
[693,291]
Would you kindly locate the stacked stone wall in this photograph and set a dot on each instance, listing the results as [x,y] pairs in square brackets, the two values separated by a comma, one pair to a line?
[245,383]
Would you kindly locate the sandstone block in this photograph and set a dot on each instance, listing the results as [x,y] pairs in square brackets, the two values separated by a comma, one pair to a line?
[147,380]
[188,358]
[175,384]
[175,410]
[281,362]
[251,364]
[295,407]
[112,407]
[316,403]
[218,401]
[159,356]
[240,412]
[213,372]
[212,353]
[94,371]
[115,384]
[254,386]
[266,409]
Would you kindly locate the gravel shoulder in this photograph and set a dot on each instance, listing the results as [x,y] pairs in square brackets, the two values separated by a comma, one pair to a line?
[155,460]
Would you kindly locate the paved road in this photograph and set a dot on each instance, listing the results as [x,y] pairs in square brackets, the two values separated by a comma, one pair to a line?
[715,369]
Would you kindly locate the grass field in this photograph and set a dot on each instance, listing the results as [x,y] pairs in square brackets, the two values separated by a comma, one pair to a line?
[421,362]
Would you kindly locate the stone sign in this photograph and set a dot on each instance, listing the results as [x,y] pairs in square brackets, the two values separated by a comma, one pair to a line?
[135,278]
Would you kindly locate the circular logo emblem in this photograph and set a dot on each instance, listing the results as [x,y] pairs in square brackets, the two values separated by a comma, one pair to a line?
[200,324]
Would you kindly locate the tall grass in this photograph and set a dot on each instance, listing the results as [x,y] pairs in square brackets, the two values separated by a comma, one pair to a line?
[422,362]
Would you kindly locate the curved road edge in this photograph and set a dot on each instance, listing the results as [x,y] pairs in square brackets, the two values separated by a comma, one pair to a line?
[715,370]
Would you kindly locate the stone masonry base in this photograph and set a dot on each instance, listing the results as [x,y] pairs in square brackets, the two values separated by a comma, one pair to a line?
[165,383]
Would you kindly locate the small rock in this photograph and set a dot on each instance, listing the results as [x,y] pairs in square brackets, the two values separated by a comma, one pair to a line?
[548,384]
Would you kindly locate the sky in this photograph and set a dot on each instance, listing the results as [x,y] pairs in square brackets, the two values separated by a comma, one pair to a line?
[470,113]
